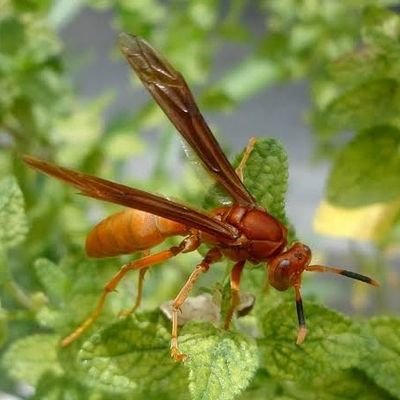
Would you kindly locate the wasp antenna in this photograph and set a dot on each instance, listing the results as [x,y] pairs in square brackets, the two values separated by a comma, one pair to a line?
[340,271]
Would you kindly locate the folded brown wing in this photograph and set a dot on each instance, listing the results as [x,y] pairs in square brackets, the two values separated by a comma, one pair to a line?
[173,95]
[112,192]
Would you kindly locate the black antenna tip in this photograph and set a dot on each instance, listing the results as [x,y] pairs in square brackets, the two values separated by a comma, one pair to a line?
[359,277]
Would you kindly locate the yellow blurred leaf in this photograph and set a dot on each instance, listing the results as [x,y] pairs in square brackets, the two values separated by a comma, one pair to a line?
[363,223]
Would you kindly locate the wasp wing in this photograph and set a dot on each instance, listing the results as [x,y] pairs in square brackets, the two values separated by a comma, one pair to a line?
[171,92]
[112,192]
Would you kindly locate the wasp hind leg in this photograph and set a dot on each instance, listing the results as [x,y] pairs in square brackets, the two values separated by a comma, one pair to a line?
[188,244]
[138,301]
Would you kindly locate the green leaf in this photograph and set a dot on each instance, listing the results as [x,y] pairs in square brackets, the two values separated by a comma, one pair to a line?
[381,27]
[55,387]
[3,326]
[367,170]
[51,277]
[28,358]
[263,386]
[371,103]
[381,363]
[12,34]
[266,176]
[132,356]
[363,65]
[30,6]
[13,222]
[221,363]
[332,342]
[55,284]
[248,78]
[338,385]
[345,385]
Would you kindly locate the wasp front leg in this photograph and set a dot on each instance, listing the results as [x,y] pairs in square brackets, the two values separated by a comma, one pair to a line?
[236,275]
[211,257]
[246,154]
[302,331]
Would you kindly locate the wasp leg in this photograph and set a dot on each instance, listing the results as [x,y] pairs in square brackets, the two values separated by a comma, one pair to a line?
[246,154]
[236,274]
[211,257]
[138,301]
[188,244]
[302,331]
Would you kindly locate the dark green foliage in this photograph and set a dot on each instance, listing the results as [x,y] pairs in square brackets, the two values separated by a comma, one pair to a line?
[47,286]
[381,361]
[131,356]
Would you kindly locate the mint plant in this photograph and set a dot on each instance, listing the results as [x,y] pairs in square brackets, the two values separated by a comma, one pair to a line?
[348,51]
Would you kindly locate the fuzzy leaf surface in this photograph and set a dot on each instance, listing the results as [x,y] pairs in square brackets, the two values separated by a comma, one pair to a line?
[132,356]
[51,277]
[332,342]
[381,363]
[28,358]
[13,222]
[221,364]
[266,176]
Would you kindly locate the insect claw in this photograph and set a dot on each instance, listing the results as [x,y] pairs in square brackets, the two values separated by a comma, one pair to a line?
[177,356]
[301,335]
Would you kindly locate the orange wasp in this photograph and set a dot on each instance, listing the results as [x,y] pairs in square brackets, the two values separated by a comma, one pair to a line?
[242,231]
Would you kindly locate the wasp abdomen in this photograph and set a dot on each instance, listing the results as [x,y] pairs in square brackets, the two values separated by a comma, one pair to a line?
[128,231]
